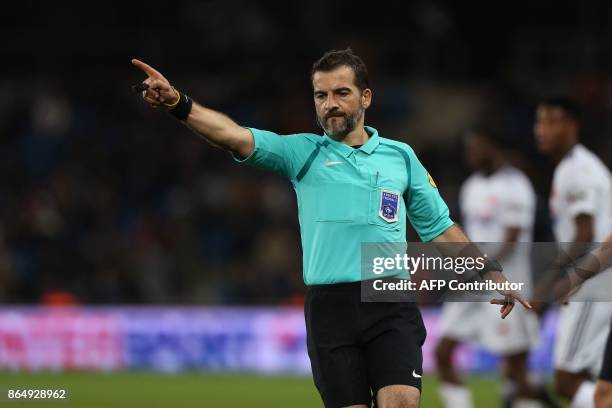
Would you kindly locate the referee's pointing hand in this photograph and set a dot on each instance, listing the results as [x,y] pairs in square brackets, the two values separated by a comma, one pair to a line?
[160,92]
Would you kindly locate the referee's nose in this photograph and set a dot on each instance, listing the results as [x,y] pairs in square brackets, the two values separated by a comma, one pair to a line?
[330,104]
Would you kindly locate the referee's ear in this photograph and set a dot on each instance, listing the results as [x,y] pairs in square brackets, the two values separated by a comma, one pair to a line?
[366,98]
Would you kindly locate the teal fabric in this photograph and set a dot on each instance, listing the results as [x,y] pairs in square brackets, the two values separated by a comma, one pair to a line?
[339,192]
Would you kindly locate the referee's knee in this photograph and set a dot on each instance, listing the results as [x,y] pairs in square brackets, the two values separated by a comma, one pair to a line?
[398,396]
[603,394]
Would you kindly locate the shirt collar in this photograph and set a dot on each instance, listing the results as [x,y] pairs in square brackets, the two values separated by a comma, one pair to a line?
[368,147]
[372,142]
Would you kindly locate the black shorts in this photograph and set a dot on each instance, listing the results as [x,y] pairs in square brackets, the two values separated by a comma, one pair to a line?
[606,367]
[357,348]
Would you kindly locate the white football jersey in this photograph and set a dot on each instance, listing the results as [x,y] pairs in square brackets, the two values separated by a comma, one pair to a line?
[582,184]
[490,205]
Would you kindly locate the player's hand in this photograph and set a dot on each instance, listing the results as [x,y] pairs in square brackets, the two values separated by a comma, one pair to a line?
[160,93]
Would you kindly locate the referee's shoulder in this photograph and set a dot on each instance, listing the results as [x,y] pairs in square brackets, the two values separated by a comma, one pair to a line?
[397,144]
[304,139]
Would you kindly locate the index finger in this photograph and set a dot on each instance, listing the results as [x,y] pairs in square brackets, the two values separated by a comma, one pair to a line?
[146,68]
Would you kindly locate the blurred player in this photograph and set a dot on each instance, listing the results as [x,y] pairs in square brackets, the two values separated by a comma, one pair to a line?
[587,267]
[580,204]
[498,206]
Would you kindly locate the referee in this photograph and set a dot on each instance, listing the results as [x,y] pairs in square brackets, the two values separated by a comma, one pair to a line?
[352,186]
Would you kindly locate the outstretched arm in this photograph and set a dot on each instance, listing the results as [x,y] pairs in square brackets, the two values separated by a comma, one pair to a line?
[214,127]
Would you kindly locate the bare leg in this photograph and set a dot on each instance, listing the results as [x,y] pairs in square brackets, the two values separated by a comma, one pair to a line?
[516,371]
[398,396]
[444,356]
[566,383]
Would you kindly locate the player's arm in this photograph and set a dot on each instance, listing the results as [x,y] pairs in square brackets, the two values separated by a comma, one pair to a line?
[455,234]
[587,267]
[562,278]
[584,234]
[584,228]
[214,127]
[581,203]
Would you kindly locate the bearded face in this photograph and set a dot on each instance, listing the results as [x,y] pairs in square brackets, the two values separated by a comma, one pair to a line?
[339,103]
[338,124]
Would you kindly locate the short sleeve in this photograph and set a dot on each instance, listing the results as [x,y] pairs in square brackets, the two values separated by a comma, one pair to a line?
[426,210]
[581,197]
[271,152]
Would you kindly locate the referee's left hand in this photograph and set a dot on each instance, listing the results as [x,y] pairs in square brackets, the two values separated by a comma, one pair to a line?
[507,303]
[510,296]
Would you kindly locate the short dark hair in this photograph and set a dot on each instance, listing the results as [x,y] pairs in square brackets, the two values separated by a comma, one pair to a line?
[338,58]
[570,107]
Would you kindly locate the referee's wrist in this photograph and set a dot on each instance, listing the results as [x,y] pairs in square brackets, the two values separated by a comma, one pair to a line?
[181,108]
[490,266]
[177,99]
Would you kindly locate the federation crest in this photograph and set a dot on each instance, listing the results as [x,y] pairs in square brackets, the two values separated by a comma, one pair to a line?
[389,205]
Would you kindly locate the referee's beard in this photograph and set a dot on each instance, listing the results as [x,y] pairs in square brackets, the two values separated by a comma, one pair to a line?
[345,123]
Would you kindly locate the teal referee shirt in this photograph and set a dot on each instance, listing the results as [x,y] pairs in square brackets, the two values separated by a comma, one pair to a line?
[349,196]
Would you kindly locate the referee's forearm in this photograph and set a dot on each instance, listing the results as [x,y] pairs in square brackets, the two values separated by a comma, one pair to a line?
[453,234]
[461,246]
[219,130]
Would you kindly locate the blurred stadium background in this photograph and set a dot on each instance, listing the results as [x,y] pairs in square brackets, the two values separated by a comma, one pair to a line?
[183,269]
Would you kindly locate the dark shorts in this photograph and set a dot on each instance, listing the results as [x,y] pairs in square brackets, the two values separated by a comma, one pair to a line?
[357,348]
[606,367]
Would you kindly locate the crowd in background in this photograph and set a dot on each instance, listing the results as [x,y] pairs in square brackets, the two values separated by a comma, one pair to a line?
[103,200]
